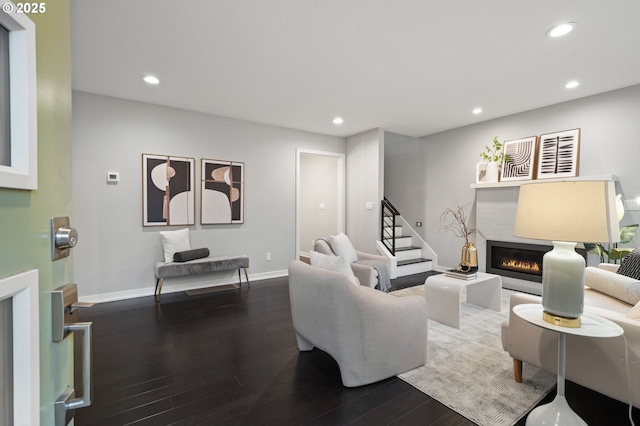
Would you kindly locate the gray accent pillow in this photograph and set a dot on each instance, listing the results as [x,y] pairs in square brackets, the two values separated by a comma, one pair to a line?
[187,255]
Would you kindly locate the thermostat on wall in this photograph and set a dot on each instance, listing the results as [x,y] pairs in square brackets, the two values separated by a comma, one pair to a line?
[113,177]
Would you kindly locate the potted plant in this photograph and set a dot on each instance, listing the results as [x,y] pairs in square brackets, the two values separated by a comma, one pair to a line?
[493,157]
[494,153]
[455,221]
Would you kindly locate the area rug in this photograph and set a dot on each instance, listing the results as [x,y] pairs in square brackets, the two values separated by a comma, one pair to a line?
[468,371]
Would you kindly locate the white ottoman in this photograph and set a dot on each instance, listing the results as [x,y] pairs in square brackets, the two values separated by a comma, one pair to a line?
[444,295]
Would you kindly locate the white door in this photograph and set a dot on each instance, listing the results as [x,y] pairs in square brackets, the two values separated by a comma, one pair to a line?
[320,197]
[42,369]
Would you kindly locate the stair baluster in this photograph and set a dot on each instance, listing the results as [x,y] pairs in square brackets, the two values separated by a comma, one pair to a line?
[388,221]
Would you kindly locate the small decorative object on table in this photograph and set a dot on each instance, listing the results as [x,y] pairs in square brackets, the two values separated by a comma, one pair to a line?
[460,274]
[456,222]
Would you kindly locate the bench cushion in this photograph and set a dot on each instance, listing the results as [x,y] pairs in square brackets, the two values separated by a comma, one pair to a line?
[200,266]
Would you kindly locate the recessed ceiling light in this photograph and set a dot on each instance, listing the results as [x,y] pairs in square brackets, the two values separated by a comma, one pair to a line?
[477,110]
[571,84]
[562,29]
[151,79]
[338,120]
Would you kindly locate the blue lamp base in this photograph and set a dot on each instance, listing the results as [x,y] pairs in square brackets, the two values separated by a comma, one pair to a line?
[563,285]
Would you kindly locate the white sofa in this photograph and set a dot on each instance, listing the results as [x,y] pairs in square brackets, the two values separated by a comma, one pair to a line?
[367,275]
[596,363]
[372,335]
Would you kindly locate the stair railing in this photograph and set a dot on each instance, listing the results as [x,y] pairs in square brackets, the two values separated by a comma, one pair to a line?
[388,225]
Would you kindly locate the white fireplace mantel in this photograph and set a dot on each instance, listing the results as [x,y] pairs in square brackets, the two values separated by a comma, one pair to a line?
[522,182]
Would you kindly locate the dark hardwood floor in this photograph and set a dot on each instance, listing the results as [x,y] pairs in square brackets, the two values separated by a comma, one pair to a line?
[230,358]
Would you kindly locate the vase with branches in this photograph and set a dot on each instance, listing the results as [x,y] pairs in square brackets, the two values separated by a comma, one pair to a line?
[492,157]
[455,221]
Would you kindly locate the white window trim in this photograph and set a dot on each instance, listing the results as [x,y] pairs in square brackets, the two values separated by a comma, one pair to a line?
[23,290]
[23,172]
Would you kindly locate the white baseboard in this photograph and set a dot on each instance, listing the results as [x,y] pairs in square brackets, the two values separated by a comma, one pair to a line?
[169,287]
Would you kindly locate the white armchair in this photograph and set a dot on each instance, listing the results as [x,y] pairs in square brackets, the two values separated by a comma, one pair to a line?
[367,275]
[372,335]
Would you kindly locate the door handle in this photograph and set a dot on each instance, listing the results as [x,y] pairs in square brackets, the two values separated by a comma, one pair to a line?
[87,356]
[64,309]
[67,402]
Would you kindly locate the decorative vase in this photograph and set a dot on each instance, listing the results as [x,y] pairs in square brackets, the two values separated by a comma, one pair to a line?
[493,172]
[487,172]
[470,257]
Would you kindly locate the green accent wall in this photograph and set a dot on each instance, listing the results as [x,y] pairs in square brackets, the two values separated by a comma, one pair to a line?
[25,215]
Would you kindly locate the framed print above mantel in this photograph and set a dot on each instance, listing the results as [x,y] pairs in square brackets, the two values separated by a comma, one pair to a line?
[222,192]
[519,159]
[558,154]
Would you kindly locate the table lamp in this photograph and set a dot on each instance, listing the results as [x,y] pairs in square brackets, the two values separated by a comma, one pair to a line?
[566,213]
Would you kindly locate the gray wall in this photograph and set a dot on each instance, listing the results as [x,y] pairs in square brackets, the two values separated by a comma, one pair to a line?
[405,175]
[365,184]
[115,254]
[609,145]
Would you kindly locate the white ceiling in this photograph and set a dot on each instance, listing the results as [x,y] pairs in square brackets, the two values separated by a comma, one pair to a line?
[414,67]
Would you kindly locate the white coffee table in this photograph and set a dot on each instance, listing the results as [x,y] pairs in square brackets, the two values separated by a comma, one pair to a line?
[444,295]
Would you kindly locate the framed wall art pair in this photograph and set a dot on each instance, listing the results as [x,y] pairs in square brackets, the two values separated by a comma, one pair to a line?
[168,191]
[548,156]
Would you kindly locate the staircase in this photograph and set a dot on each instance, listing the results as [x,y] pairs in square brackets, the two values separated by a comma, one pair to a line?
[406,250]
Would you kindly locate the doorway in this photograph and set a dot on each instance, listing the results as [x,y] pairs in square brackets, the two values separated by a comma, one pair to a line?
[320,197]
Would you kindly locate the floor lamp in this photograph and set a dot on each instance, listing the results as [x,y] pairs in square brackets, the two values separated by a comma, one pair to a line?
[566,213]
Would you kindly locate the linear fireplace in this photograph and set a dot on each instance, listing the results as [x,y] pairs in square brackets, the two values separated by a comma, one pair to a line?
[518,260]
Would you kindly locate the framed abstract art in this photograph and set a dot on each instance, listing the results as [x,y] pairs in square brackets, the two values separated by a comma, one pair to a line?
[222,195]
[558,154]
[519,159]
[168,193]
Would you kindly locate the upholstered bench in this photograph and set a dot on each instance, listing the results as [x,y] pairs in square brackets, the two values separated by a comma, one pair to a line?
[199,266]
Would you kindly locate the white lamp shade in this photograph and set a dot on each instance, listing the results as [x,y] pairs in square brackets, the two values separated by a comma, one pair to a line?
[566,212]
[577,211]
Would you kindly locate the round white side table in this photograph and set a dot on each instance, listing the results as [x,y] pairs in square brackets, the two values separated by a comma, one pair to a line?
[558,411]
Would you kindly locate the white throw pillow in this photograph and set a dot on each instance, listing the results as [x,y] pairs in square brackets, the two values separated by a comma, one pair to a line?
[341,246]
[634,313]
[175,241]
[618,286]
[334,263]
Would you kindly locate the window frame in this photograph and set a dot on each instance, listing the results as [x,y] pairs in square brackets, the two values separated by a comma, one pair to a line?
[23,172]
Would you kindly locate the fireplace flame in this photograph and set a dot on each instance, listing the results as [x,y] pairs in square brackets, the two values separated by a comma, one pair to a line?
[517,265]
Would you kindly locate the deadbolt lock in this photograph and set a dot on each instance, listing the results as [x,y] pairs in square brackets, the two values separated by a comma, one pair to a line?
[63,237]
